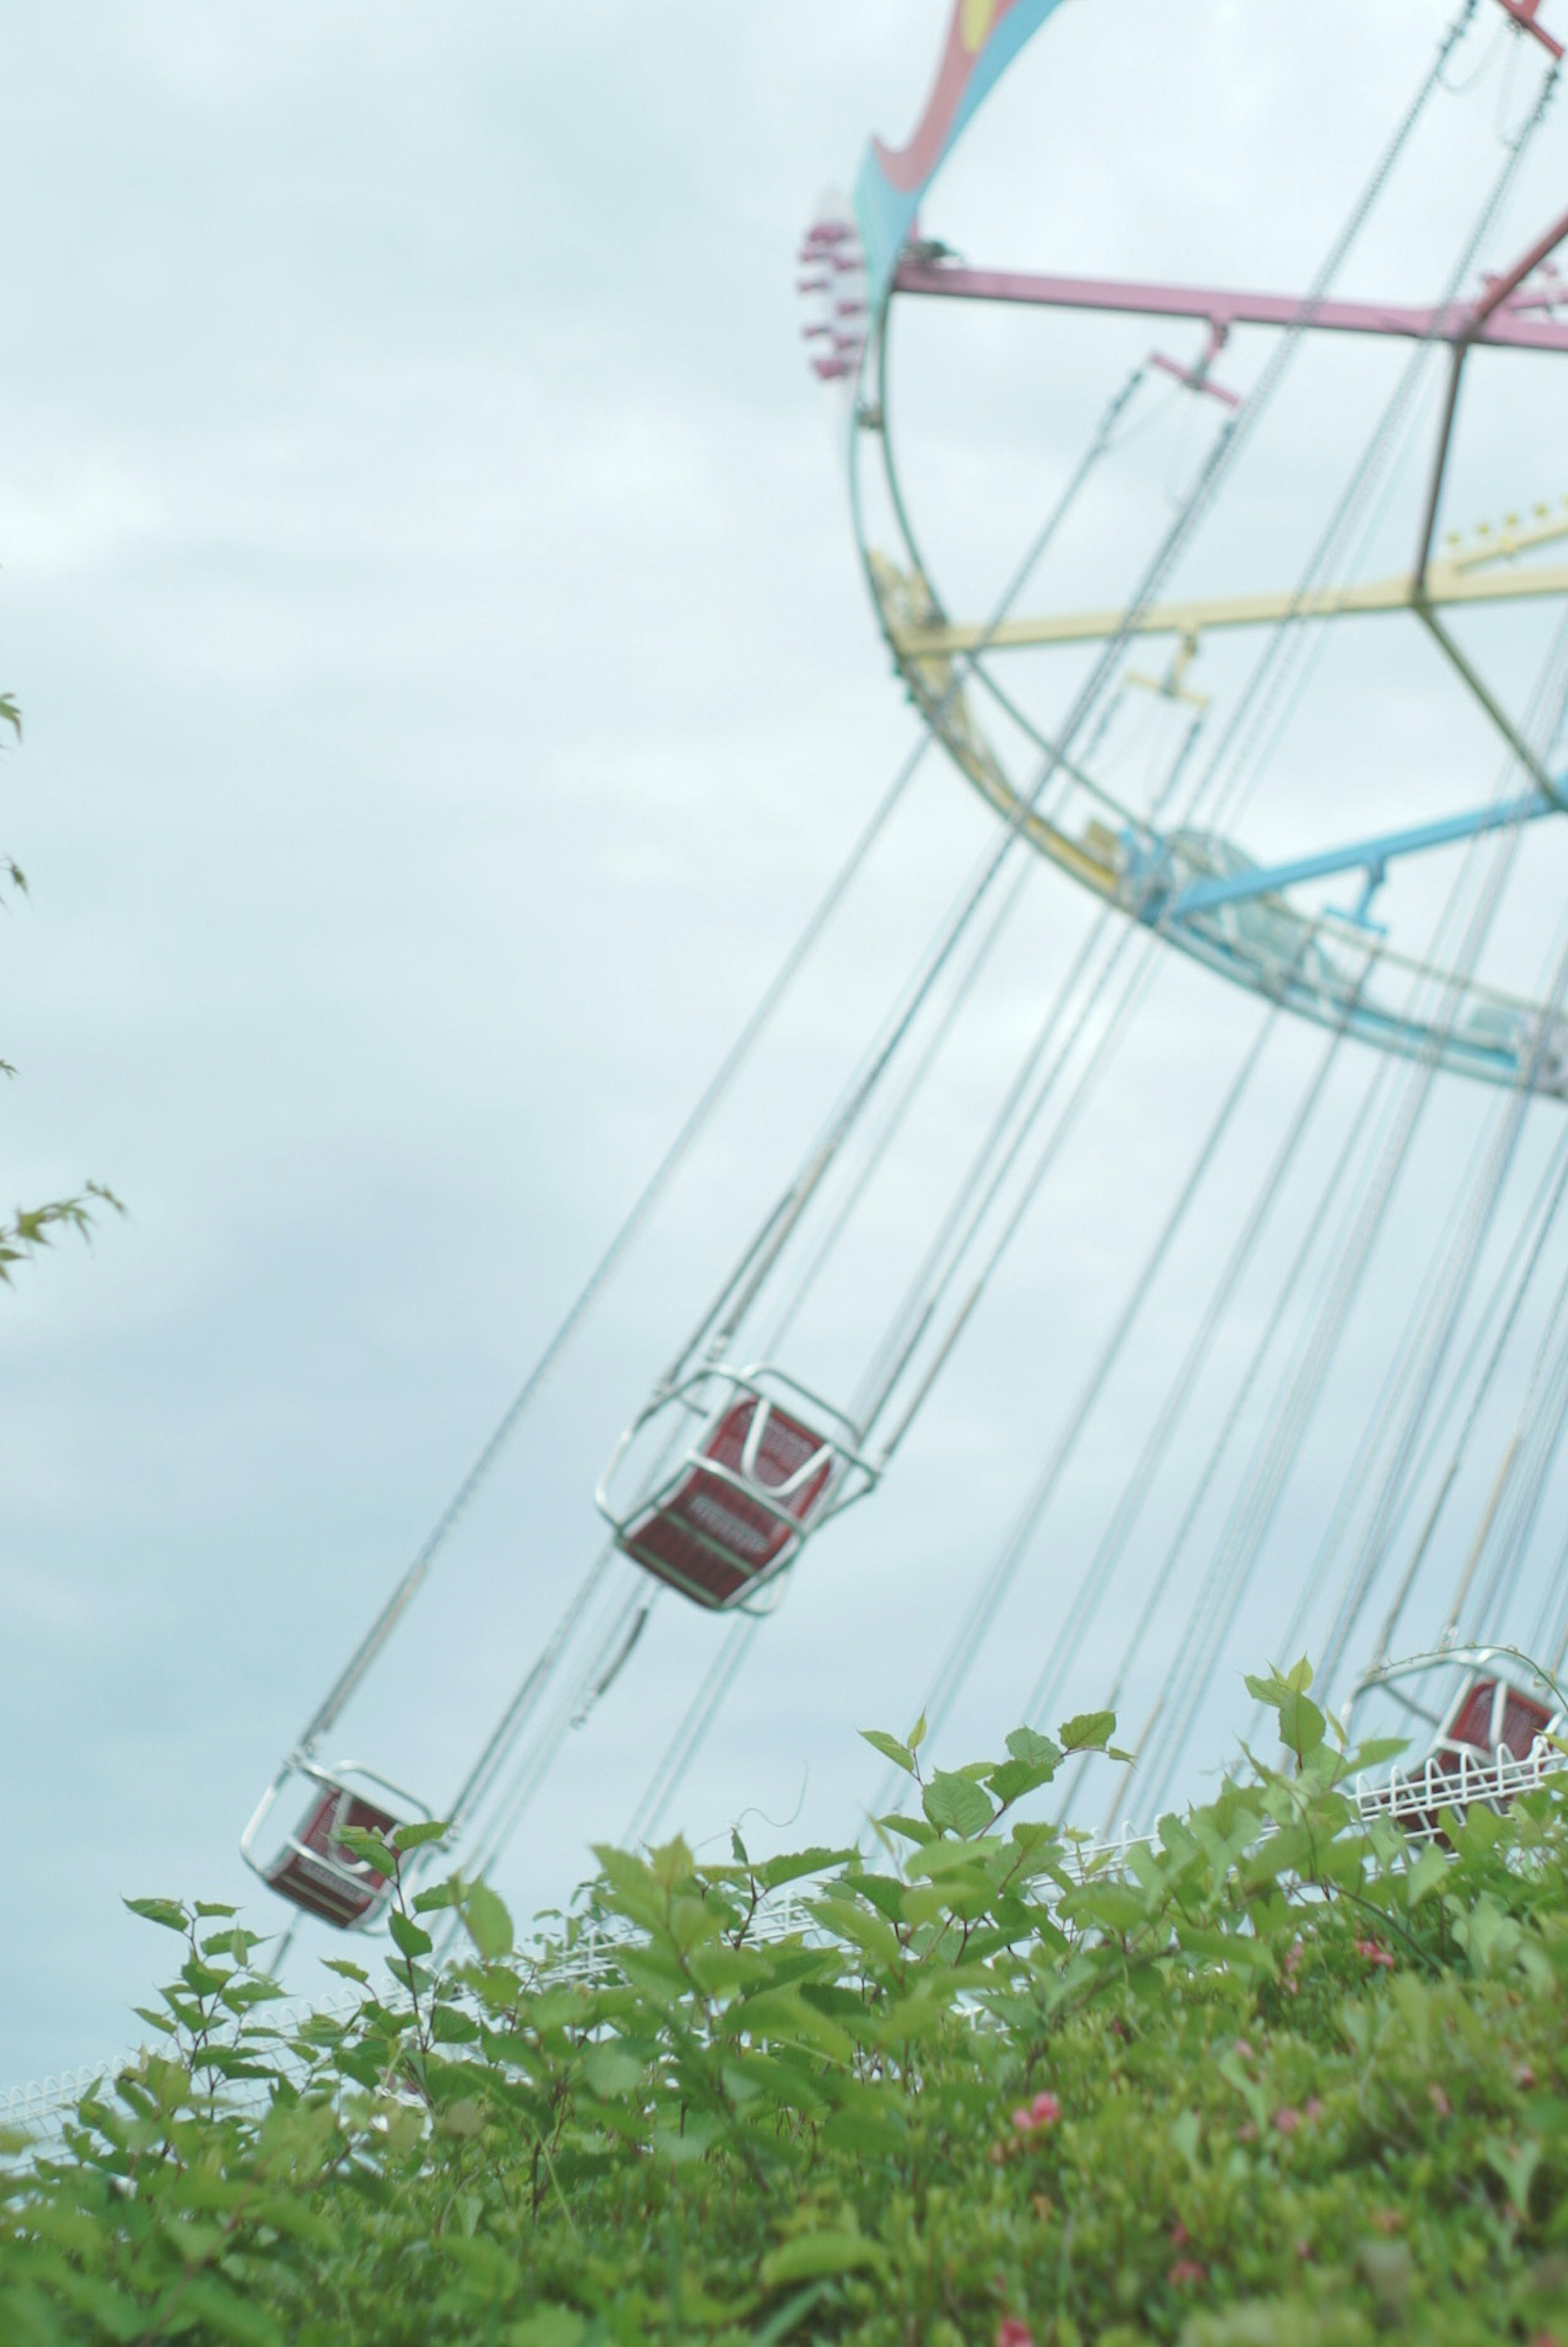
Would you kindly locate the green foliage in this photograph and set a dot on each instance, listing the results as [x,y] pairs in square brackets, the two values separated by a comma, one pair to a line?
[1273,2079]
[30,1228]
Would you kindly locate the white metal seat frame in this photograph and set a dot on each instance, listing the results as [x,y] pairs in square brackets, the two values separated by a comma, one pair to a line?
[712,1394]
[355,1880]
[1456,1774]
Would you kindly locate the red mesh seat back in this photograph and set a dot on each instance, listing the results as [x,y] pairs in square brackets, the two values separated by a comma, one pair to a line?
[1471,1722]
[1523,1722]
[784,1448]
[320,1874]
[710,1538]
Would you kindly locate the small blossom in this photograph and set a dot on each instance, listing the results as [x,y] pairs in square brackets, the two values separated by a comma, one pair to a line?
[1011,2333]
[1287,2120]
[1184,2271]
[1244,2050]
[1524,2075]
[1043,2112]
[1294,1955]
[1303,2250]
[1312,2109]
[1439,2102]
[1375,1954]
[1180,2237]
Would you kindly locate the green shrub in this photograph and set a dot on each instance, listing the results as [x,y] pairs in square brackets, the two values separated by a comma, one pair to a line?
[1275,2078]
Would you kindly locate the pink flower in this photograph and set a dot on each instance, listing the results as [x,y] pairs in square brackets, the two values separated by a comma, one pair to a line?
[1439,2102]
[1043,2112]
[1011,2333]
[1287,2120]
[1524,2075]
[1180,2237]
[1312,2109]
[1375,1953]
[1244,2050]
[1185,2271]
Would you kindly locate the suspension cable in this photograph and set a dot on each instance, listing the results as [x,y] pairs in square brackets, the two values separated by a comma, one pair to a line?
[1108,1553]
[1536,1436]
[708,1101]
[1223,453]
[1517,1280]
[1395,1384]
[1305,1249]
[1257,1503]
[689,1738]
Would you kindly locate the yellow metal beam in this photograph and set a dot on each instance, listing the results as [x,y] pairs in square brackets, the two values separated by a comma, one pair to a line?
[1447,584]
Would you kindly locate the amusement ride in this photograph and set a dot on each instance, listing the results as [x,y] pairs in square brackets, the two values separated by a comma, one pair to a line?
[1124,751]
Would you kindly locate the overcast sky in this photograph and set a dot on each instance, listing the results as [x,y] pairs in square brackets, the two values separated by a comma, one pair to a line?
[448,684]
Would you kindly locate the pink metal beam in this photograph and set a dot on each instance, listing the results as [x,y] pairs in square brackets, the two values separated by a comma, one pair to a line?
[1457,321]
[1523,13]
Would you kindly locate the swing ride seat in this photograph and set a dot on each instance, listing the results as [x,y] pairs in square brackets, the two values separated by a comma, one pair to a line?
[739,1505]
[314,1869]
[1493,1743]
[319,1873]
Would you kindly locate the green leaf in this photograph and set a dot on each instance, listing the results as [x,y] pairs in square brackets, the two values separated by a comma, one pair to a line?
[1039,1751]
[1091,1731]
[1302,1725]
[1514,2165]
[891,1749]
[369,1849]
[348,1971]
[224,2310]
[548,2326]
[1013,1779]
[488,1923]
[416,1834]
[438,1896]
[914,1829]
[791,2314]
[957,1805]
[811,2255]
[407,1936]
[1271,1691]
[166,1911]
[1431,1869]
[612,2071]
[791,1865]
[917,1733]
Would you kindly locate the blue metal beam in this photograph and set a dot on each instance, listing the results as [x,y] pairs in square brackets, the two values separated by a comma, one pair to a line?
[1370,855]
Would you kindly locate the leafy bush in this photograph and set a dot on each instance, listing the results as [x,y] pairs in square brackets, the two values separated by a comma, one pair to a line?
[1274,2078]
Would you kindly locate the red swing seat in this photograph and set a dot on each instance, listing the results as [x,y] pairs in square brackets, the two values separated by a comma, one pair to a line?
[740,1507]
[1479,1724]
[1479,1753]
[318,1872]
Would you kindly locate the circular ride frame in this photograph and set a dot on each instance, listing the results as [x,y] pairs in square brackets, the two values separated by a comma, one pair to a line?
[1197,890]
